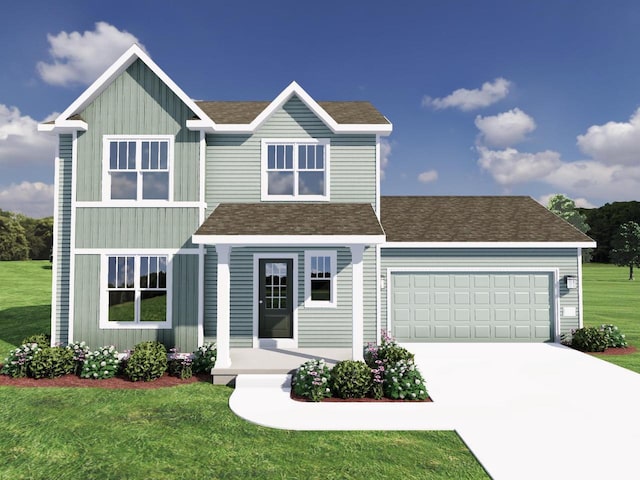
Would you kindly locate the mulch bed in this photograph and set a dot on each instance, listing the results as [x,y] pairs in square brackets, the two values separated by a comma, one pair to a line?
[617,351]
[298,398]
[118,382]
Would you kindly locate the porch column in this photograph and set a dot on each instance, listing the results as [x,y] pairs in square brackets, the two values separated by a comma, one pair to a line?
[223,289]
[357,252]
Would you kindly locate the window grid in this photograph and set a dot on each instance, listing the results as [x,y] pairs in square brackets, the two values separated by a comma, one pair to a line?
[296,170]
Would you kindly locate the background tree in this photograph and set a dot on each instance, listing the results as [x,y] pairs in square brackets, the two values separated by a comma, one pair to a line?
[566,209]
[13,242]
[39,233]
[605,222]
[626,247]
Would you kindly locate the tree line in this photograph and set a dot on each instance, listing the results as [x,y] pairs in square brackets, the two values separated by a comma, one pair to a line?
[24,238]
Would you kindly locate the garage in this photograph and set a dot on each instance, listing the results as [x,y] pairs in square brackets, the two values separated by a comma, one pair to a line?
[472,306]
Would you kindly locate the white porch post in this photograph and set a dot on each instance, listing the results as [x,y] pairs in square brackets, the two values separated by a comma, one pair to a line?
[357,252]
[223,288]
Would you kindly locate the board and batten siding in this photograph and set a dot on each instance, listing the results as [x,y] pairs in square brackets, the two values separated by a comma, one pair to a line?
[132,227]
[137,103]
[62,254]
[234,166]
[566,260]
[184,332]
[317,327]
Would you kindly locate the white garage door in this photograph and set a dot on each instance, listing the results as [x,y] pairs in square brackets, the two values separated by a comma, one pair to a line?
[472,306]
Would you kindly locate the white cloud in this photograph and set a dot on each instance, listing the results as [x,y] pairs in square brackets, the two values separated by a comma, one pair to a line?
[509,166]
[80,58]
[505,129]
[428,176]
[32,199]
[385,153]
[466,100]
[613,142]
[20,142]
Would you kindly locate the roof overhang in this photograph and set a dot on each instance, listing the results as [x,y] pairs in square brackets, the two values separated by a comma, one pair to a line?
[209,126]
[288,240]
[63,126]
[489,245]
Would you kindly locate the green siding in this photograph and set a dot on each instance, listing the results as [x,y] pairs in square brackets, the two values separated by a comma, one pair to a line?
[136,103]
[234,169]
[317,327]
[135,227]
[62,255]
[563,259]
[183,335]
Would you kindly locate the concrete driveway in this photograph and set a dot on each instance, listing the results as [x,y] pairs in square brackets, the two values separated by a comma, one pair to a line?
[526,411]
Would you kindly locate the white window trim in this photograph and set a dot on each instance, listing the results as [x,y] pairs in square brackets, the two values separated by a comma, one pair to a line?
[105,324]
[106,177]
[333,255]
[295,142]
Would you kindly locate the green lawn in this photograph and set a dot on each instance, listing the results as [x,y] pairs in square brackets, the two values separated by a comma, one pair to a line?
[609,297]
[25,301]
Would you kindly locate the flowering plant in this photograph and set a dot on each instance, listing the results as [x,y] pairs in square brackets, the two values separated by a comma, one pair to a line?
[377,380]
[80,352]
[403,381]
[311,380]
[101,364]
[204,359]
[17,363]
[179,364]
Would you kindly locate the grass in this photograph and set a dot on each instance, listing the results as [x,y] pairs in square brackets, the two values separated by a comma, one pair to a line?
[25,301]
[181,432]
[609,297]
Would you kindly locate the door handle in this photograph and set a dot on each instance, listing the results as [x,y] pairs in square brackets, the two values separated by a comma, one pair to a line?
[260,301]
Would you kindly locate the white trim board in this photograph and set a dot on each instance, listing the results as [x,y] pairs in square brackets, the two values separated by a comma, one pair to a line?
[137,251]
[489,245]
[288,240]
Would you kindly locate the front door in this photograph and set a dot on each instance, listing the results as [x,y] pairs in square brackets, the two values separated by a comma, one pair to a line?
[275,298]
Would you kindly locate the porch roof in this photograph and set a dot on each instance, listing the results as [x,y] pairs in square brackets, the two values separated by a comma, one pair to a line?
[281,223]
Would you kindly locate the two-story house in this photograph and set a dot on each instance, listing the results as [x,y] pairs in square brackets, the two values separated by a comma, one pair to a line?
[260,224]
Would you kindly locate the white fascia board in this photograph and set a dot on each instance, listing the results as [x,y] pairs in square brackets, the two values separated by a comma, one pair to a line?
[126,59]
[63,126]
[241,240]
[489,245]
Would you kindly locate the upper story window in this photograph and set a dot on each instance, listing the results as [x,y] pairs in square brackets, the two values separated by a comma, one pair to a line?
[137,168]
[295,169]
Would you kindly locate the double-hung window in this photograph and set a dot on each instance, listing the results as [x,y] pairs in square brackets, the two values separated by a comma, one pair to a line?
[137,168]
[295,169]
[137,292]
[320,278]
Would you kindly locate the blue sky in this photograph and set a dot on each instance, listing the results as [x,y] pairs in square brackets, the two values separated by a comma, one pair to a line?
[486,98]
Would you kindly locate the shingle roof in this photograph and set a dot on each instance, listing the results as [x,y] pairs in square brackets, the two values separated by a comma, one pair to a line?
[359,113]
[292,219]
[473,219]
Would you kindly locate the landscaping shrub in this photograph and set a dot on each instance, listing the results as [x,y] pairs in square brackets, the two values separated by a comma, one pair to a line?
[51,362]
[101,364]
[80,352]
[614,337]
[388,352]
[311,380]
[42,339]
[147,362]
[351,379]
[179,364]
[16,365]
[589,339]
[204,359]
[403,381]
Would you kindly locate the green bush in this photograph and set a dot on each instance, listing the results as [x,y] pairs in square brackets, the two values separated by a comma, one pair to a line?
[101,364]
[179,364]
[589,339]
[615,338]
[403,381]
[204,359]
[51,362]
[42,339]
[311,380]
[351,379]
[147,362]
[16,365]
[80,351]
[388,352]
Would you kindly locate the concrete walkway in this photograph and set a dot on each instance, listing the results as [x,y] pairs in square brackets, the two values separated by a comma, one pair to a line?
[525,410]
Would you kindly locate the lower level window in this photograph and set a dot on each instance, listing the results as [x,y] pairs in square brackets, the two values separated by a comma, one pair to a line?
[320,278]
[137,289]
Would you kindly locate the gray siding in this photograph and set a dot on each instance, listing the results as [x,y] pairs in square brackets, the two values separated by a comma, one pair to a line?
[317,327]
[563,259]
[62,255]
[137,102]
[233,161]
[135,227]
[183,335]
